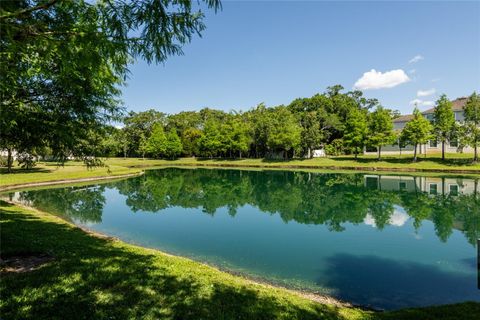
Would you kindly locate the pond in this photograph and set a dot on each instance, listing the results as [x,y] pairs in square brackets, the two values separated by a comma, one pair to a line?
[383,241]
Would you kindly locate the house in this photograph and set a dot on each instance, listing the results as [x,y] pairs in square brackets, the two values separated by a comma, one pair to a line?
[433,145]
[431,185]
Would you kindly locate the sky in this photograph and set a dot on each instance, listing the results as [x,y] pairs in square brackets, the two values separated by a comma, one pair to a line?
[401,53]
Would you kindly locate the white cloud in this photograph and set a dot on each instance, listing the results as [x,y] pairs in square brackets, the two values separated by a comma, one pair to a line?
[377,80]
[415,59]
[425,93]
[422,103]
[398,218]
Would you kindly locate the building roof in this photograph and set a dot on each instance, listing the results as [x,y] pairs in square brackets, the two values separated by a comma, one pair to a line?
[457,105]
[404,118]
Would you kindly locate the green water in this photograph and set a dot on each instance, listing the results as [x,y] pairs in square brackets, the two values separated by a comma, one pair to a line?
[384,241]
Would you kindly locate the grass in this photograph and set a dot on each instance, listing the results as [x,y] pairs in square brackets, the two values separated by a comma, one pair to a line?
[45,171]
[452,163]
[102,278]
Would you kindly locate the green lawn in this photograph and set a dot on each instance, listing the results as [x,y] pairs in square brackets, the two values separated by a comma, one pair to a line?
[45,171]
[98,278]
[452,163]
[52,172]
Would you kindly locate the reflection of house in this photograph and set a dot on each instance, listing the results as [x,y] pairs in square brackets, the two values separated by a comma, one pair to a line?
[431,185]
[432,146]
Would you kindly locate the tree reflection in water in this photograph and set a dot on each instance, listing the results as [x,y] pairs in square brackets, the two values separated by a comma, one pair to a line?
[309,198]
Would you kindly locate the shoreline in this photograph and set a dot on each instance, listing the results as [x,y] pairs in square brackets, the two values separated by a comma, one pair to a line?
[310,167]
[254,280]
[67,181]
[340,169]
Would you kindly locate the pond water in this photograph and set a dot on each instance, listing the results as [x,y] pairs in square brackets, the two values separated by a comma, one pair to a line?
[379,240]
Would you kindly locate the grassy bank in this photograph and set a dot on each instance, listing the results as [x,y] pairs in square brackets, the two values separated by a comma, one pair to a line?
[90,277]
[44,171]
[453,163]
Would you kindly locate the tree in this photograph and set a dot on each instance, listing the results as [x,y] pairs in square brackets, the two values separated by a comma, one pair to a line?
[283,132]
[355,130]
[190,141]
[472,121]
[460,134]
[143,145]
[240,134]
[63,63]
[156,143]
[211,142]
[443,121]
[417,131]
[138,126]
[380,129]
[173,144]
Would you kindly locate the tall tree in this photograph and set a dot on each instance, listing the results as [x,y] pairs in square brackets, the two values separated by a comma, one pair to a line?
[156,143]
[472,121]
[417,131]
[380,129]
[63,63]
[443,121]
[138,125]
[284,131]
[356,130]
[173,144]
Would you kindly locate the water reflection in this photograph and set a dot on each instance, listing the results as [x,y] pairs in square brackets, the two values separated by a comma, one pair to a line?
[308,198]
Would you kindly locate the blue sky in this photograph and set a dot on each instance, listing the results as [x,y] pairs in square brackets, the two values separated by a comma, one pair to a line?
[275,51]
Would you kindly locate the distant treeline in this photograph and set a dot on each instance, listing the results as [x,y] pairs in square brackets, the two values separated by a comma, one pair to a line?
[336,121]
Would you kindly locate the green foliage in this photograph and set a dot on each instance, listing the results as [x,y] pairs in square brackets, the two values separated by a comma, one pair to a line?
[283,131]
[380,128]
[26,160]
[417,131]
[173,144]
[190,141]
[335,148]
[356,130]
[443,121]
[63,63]
[460,134]
[137,128]
[156,143]
[472,121]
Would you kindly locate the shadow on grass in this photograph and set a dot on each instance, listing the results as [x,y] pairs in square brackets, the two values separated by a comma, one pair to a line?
[18,170]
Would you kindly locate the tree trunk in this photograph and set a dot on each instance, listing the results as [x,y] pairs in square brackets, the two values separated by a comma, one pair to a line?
[356,153]
[475,152]
[415,153]
[443,150]
[309,153]
[379,152]
[9,160]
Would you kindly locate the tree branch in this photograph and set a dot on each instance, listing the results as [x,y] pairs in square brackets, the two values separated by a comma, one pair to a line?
[28,10]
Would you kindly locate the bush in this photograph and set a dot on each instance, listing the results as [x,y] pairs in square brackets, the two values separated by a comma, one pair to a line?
[3,161]
[26,160]
[335,148]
